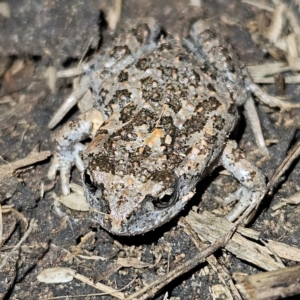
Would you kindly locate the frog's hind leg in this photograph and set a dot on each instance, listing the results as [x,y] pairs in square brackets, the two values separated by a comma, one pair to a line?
[218,58]
[253,182]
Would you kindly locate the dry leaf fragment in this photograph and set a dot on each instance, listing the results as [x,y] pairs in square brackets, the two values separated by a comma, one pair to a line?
[133,262]
[4,10]
[56,275]
[75,200]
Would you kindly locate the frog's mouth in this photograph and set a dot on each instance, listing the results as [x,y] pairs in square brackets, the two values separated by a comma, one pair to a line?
[151,213]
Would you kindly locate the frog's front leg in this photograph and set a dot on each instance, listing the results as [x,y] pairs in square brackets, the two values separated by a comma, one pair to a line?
[253,181]
[68,147]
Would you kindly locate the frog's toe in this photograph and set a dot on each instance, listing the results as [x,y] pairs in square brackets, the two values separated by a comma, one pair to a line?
[64,180]
[234,196]
[64,170]
[62,162]
[244,196]
[78,148]
[247,198]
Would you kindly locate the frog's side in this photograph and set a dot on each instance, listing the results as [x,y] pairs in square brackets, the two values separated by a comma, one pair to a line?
[169,105]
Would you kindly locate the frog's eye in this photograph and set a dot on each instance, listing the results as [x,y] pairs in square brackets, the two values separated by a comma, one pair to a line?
[89,183]
[164,202]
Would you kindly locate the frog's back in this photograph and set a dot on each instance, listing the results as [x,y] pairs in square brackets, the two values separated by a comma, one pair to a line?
[161,106]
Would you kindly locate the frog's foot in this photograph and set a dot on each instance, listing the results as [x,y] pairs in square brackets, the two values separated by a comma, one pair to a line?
[64,158]
[245,198]
[253,182]
[69,148]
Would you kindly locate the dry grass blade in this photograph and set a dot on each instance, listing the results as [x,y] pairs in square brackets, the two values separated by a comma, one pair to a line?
[114,14]
[1,226]
[263,73]
[100,286]
[32,225]
[259,4]
[293,154]
[32,158]
[63,275]
[133,262]
[9,209]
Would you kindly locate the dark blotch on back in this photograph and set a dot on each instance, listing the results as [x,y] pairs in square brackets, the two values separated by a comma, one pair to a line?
[123,76]
[145,117]
[121,97]
[195,123]
[214,102]
[232,109]
[183,57]
[143,64]
[208,105]
[119,52]
[165,176]
[104,164]
[165,46]
[141,32]
[150,92]
[218,122]
[211,88]
[127,113]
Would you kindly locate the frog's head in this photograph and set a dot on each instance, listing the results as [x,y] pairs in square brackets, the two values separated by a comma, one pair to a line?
[129,205]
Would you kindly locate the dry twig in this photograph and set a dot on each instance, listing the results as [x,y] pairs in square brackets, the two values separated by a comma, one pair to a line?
[293,154]
[32,225]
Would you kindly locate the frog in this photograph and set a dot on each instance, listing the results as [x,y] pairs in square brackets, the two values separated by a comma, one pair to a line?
[159,116]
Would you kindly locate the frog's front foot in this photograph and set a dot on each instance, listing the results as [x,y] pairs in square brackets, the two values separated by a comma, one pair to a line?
[253,183]
[245,198]
[64,158]
[68,147]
